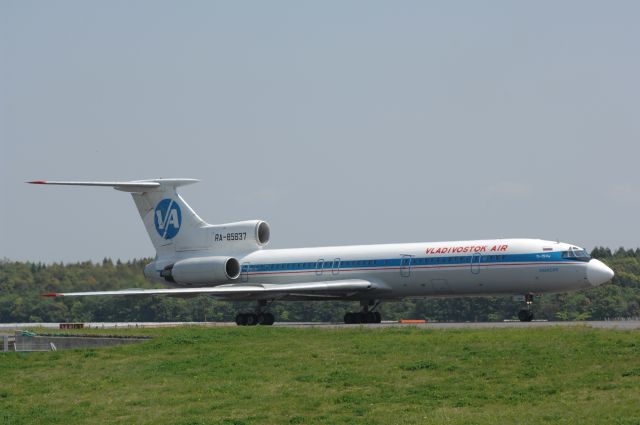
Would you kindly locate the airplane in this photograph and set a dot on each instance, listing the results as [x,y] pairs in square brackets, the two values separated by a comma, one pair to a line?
[230,262]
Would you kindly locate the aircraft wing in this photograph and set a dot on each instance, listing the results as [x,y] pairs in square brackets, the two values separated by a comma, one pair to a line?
[334,288]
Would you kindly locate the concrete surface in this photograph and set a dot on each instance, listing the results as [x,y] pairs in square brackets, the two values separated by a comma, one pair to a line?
[50,343]
[608,324]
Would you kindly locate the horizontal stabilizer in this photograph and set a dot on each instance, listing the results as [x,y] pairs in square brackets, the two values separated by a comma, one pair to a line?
[127,186]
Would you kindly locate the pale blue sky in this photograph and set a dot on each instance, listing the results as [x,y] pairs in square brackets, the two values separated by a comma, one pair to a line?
[337,122]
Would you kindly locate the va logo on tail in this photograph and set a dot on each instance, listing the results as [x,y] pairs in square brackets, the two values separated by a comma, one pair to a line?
[167,218]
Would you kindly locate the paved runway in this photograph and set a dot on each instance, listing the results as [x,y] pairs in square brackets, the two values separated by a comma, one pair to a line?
[609,324]
[622,325]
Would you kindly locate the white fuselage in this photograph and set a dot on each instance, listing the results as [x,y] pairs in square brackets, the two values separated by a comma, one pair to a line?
[464,268]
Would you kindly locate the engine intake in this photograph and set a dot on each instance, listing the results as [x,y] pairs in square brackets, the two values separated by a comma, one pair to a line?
[263,233]
[203,270]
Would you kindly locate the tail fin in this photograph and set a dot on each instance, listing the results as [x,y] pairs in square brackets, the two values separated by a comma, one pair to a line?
[170,222]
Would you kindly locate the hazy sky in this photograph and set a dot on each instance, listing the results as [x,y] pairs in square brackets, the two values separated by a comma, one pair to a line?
[337,122]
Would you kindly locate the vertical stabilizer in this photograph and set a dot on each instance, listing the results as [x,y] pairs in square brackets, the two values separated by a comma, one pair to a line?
[171,223]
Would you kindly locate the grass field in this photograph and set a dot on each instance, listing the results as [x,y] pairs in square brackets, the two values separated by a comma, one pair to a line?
[342,376]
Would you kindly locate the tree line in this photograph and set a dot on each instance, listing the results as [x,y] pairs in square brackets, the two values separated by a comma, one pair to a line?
[22,283]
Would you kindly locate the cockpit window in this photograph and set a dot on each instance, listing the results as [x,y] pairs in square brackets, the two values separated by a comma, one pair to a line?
[576,254]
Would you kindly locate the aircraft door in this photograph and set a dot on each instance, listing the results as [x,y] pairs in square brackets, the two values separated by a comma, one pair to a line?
[405,265]
[336,266]
[319,265]
[244,275]
[475,263]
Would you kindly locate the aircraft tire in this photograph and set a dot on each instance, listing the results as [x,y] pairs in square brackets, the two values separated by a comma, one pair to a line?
[369,317]
[525,315]
[266,319]
[270,319]
[349,318]
[378,317]
[241,319]
[252,319]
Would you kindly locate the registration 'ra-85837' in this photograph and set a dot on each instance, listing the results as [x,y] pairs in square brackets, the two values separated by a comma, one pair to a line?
[228,237]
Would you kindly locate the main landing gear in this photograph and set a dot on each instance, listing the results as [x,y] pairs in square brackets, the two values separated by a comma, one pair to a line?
[525,314]
[259,317]
[366,315]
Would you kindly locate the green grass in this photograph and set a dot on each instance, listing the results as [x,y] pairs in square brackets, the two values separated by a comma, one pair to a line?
[344,376]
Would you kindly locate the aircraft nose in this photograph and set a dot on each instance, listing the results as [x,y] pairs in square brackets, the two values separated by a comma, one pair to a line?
[598,273]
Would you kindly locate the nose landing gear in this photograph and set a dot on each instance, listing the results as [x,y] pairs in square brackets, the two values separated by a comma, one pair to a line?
[526,314]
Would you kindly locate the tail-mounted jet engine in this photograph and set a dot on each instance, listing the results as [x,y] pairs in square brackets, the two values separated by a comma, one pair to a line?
[250,234]
[202,271]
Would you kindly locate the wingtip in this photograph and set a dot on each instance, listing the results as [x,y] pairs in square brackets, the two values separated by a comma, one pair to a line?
[52,294]
[37,182]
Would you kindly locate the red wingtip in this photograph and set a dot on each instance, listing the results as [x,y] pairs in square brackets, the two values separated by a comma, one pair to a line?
[53,294]
[38,182]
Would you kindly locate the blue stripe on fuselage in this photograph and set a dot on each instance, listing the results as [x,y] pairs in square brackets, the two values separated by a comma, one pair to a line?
[541,257]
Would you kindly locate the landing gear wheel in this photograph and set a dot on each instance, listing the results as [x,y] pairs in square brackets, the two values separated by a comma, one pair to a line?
[252,319]
[366,315]
[266,319]
[270,319]
[241,319]
[349,318]
[259,317]
[525,315]
[362,317]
